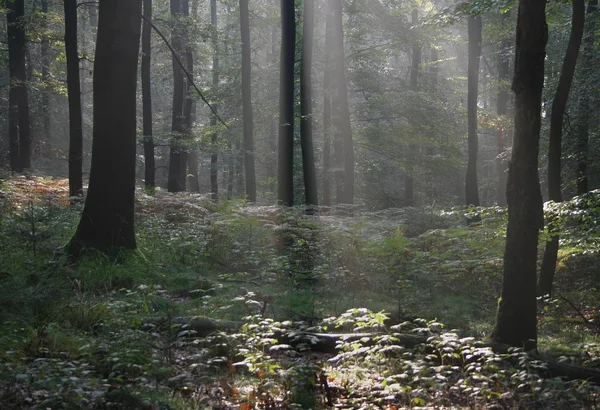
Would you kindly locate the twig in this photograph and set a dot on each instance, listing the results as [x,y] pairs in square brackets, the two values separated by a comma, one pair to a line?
[586,321]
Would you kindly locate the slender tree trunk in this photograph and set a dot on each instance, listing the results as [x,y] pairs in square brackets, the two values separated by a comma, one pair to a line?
[107,222]
[286,104]
[45,55]
[583,112]
[517,309]
[177,157]
[306,138]
[559,106]
[327,107]
[13,128]
[344,106]
[18,85]
[471,188]
[247,103]
[502,110]
[435,68]
[214,170]
[74,93]
[189,104]
[148,140]
[409,190]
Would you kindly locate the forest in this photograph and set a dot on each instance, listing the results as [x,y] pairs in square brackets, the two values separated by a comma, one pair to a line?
[299,204]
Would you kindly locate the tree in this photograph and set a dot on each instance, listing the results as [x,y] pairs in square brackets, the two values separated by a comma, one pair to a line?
[74,94]
[502,110]
[327,108]
[471,188]
[559,105]
[409,191]
[177,154]
[45,74]
[148,141]
[107,222]
[189,104]
[517,308]
[343,125]
[214,171]
[248,120]
[306,138]
[286,104]
[582,111]
[18,119]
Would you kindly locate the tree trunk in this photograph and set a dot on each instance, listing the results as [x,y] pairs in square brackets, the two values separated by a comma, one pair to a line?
[286,104]
[107,222]
[21,158]
[177,157]
[306,138]
[344,126]
[148,141]
[471,188]
[559,106]
[45,51]
[502,110]
[517,308]
[582,111]
[74,93]
[247,103]
[189,104]
[327,107]
[214,170]
[409,190]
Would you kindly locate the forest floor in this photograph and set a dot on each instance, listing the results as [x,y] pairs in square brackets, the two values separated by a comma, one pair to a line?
[225,306]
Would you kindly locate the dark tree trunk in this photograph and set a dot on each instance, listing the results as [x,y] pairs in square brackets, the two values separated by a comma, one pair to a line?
[177,157]
[517,308]
[583,112]
[189,105]
[559,106]
[74,93]
[214,170]
[107,222]
[306,138]
[148,141]
[502,111]
[286,104]
[247,103]
[344,126]
[471,188]
[13,128]
[21,158]
[45,55]
[409,190]
[327,109]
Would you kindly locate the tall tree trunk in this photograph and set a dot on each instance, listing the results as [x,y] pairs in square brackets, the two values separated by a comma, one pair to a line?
[582,111]
[45,55]
[107,222]
[502,110]
[148,140]
[177,157]
[20,159]
[286,104]
[517,309]
[559,106]
[189,104]
[327,109]
[409,190]
[471,188]
[214,170]
[306,138]
[345,127]
[247,103]
[74,93]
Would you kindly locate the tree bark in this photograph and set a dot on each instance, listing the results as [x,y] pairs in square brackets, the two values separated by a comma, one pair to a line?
[189,104]
[471,188]
[559,106]
[306,137]
[409,190]
[502,111]
[344,126]
[214,170]
[248,120]
[582,111]
[517,309]
[74,94]
[148,140]
[45,55]
[177,157]
[107,222]
[21,145]
[286,104]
